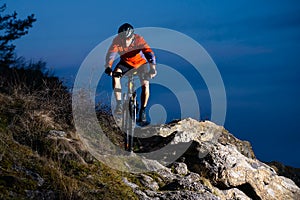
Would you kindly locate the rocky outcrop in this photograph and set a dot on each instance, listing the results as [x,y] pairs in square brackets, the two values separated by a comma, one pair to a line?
[287,171]
[168,184]
[216,166]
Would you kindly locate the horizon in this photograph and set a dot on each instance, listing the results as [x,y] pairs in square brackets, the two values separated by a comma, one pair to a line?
[254,45]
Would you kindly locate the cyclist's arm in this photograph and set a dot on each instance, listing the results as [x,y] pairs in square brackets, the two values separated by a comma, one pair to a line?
[149,54]
[147,51]
[111,54]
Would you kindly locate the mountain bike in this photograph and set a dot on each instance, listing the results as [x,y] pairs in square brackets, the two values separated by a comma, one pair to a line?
[129,109]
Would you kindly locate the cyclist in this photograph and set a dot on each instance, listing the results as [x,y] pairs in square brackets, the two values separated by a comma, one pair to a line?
[134,53]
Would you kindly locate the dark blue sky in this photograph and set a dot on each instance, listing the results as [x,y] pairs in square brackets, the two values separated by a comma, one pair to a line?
[255,45]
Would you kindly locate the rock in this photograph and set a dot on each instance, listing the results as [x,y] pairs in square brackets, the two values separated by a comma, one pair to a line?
[33,175]
[242,146]
[180,168]
[216,166]
[235,194]
[166,174]
[169,184]
[228,168]
[190,129]
[128,183]
[70,148]
[186,195]
[287,171]
[36,194]
[56,133]
[148,182]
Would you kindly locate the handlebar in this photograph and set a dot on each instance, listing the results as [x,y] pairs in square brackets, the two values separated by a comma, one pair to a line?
[119,74]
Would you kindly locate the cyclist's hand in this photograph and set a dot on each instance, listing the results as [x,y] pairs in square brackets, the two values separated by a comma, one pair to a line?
[152,73]
[108,71]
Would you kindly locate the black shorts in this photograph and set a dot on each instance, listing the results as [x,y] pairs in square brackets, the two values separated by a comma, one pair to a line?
[142,71]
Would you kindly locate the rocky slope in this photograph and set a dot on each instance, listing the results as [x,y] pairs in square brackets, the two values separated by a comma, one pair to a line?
[216,166]
[55,164]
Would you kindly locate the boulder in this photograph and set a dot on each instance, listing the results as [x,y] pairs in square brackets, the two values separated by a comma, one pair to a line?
[217,165]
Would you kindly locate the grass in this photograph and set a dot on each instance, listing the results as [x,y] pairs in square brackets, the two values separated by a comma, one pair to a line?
[36,165]
[65,176]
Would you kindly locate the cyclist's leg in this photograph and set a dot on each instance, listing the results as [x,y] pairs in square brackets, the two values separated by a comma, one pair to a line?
[144,80]
[122,68]
[117,87]
[145,94]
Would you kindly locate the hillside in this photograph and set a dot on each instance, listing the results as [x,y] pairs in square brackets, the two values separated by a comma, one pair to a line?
[36,160]
[42,156]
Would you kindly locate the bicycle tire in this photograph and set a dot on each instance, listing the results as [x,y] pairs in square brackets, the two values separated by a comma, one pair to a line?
[132,121]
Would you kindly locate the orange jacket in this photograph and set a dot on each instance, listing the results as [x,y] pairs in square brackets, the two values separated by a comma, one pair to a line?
[137,54]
